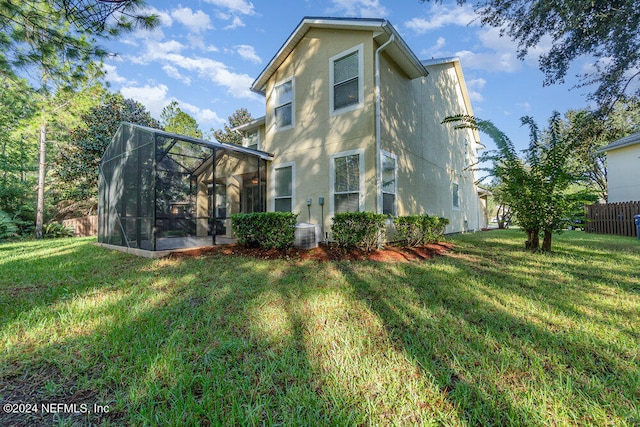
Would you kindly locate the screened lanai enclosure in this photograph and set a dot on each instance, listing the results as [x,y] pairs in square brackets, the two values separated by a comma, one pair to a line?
[160,191]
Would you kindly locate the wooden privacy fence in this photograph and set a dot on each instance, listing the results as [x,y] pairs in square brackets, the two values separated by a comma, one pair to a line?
[612,218]
[85,226]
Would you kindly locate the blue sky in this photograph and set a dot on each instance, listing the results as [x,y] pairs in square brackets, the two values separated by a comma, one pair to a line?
[206,53]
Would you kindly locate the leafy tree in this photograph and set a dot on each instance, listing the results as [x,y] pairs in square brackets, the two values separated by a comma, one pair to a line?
[240,117]
[604,30]
[175,120]
[534,185]
[76,167]
[60,105]
[57,40]
[17,158]
[498,204]
[34,32]
[590,131]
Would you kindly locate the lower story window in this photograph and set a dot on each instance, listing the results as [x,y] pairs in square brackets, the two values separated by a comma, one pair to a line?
[283,189]
[346,183]
[389,185]
[455,196]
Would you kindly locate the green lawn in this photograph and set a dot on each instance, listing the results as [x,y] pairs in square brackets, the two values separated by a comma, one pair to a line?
[488,335]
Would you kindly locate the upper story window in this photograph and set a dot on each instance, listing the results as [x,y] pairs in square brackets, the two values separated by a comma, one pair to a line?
[284,95]
[252,139]
[346,73]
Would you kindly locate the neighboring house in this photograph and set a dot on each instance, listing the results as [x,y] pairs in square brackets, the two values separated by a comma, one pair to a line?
[353,120]
[623,169]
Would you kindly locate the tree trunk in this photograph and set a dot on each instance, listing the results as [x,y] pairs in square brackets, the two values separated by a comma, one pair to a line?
[546,242]
[41,176]
[533,240]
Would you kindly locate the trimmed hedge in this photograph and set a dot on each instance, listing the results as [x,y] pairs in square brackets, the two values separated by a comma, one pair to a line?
[265,229]
[358,229]
[418,230]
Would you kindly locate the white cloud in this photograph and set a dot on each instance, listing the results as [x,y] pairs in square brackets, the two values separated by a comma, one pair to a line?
[490,61]
[157,50]
[360,8]
[112,75]
[493,53]
[164,17]
[524,105]
[237,84]
[205,117]
[234,6]
[170,54]
[500,53]
[237,22]
[249,53]
[440,15]
[175,74]
[196,41]
[152,97]
[155,99]
[434,51]
[474,87]
[196,22]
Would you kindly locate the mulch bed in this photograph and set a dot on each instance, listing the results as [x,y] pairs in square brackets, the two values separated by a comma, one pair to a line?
[328,252]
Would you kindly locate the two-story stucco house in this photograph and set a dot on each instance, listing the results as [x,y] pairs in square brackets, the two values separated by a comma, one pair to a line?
[353,120]
[353,123]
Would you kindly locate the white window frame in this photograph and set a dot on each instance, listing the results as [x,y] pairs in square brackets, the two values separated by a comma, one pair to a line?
[395,182]
[245,139]
[293,184]
[360,103]
[276,105]
[332,178]
[455,186]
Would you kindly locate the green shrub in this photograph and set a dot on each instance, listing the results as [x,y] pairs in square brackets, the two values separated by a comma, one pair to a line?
[358,229]
[8,228]
[265,229]
[55,230]
[437,230]
[418,230]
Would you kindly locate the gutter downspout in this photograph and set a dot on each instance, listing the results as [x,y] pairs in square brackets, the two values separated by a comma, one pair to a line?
[378,126]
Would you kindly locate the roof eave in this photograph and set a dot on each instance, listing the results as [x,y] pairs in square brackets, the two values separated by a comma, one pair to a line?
[627,141]
[251,125]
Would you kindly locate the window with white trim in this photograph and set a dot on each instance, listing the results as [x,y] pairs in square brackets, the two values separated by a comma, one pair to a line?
[348,181]
[346,70]
[283,188]
[284,94]
[252,139]
[389,183]
[455,197]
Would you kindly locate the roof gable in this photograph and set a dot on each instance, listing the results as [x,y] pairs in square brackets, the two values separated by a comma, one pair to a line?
[455,63]
[382,31]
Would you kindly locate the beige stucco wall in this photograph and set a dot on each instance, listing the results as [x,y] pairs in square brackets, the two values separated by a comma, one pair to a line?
[623,174]
[431,156]
[317,134]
